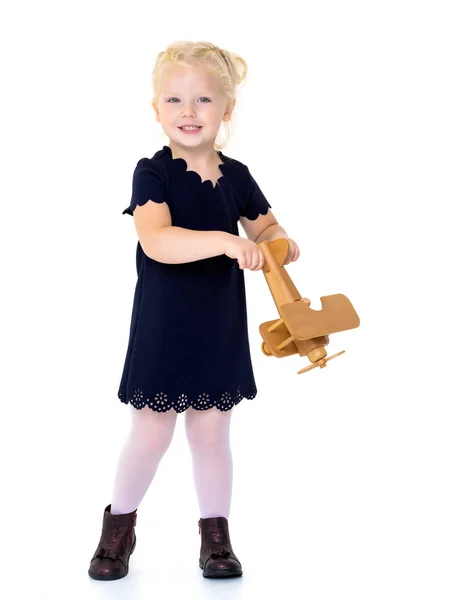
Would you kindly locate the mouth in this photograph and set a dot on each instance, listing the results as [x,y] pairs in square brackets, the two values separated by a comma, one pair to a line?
[189,128]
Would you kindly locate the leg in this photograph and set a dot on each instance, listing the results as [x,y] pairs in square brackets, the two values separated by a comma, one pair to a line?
[149,438]
[208,435]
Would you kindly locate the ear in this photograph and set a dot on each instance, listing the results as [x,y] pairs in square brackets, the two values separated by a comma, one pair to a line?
[227,115]
[155,108]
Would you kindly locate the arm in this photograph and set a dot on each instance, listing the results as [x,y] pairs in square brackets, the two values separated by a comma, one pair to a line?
[260,224]
[176,245]
[273,232]
[264,228]
[165,243]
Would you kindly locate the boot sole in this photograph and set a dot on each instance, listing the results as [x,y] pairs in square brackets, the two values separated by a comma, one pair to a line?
[219,574]
[222,575]
[113,577]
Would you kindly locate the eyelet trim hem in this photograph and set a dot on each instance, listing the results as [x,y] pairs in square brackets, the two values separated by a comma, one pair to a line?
[160,401]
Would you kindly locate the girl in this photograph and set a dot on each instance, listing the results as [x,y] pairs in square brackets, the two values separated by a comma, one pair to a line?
[188,348]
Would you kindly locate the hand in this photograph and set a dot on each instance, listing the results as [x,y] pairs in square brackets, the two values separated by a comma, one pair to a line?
[247,253]
[294,252]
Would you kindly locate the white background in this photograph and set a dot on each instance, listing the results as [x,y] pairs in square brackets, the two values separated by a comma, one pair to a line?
[341,486]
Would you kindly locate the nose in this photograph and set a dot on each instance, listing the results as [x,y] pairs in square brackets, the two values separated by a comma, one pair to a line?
[188,110]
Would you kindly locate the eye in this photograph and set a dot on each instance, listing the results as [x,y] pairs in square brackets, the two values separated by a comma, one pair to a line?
[201,98]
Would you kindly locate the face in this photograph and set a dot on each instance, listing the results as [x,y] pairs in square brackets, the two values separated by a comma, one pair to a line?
[190,96]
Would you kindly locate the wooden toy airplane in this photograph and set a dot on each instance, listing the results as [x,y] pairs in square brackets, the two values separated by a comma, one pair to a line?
[300,329]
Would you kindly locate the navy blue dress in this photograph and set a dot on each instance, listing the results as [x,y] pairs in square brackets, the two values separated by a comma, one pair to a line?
[188,343]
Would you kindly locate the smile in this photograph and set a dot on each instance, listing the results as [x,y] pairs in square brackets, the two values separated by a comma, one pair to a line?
[190,129]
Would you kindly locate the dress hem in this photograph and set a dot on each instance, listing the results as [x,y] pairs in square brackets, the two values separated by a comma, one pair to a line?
[160,402]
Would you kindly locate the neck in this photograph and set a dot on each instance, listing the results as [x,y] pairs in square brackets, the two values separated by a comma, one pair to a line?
[202,156]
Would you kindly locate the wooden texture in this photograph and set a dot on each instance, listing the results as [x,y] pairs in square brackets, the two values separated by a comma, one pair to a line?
[299,328]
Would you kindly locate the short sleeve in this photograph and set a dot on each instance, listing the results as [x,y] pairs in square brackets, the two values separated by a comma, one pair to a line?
[149,183]
[256,203]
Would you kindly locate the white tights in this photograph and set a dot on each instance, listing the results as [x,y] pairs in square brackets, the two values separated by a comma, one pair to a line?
[208,435]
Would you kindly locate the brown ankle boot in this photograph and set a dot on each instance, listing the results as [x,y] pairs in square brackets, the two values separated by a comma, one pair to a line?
[217,558]
[117,542]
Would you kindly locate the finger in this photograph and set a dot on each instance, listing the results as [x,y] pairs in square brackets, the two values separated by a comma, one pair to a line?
[248,259]
[262,259]
[256,259]
[251,261]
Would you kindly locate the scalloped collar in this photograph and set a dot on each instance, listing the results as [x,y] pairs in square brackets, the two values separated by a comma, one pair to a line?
[182,165]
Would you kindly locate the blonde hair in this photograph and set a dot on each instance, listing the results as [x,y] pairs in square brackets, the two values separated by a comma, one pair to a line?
[228,66]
